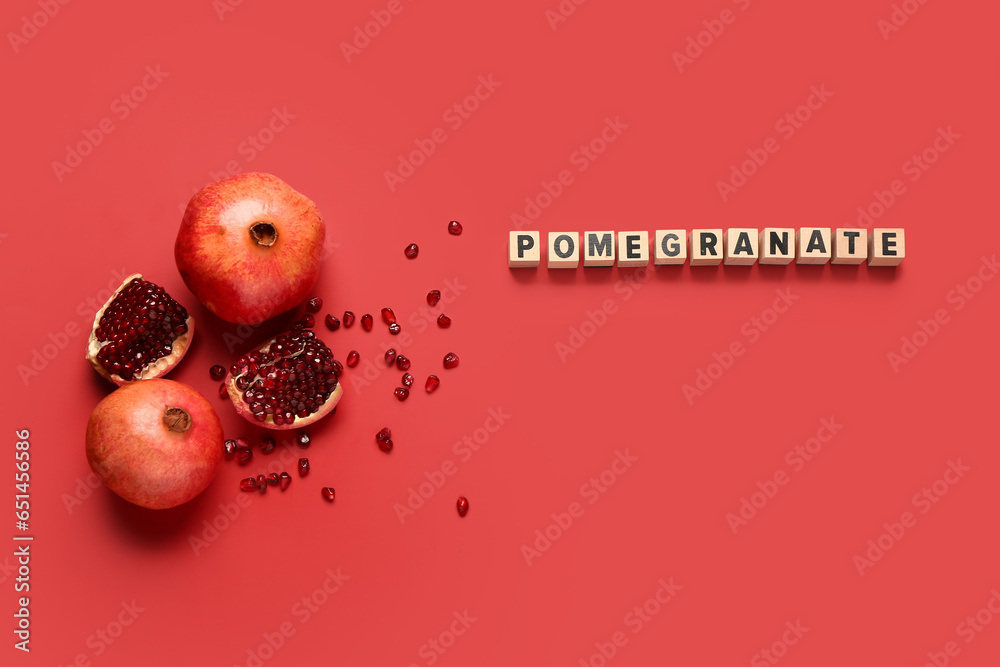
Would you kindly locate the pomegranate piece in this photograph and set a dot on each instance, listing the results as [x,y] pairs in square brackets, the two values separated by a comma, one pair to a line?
[248,484]
[407,380]
[450,360]
[402,393]
[308,321]
[394,329]
[261,483]
[289,382]
[367,322]
[303,467]
[411,251]
[223,391]
[284,480]
[444,321]
[432,383]
[314,304]
[332,323]
[329,494]
[229,447]
[454,227]
[462,505]
[390,356]
[217,372]
[402,363]
[267,444]
[388,316]
[303,440]
[353,358]
[139,334]
[433,297]
[348,319]
[243,451]
[383,434]
[273,479]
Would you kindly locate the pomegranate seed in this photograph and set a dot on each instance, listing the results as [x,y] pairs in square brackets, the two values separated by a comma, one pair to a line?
[332,323]
[248,484]
[244,453]
[348,319]
[267,444]
[402,363]
[390,356]
[433,297]
[402,393]
[388,316]
[407,380]
[444,321]
[338,368]
[273,479]
[394,329]
[462,505]
[411,251]
[432,383]
[353,358]
[450,360]
[314,304]
[303,440]
[384,434]
[367,322]
[454,227]
[261,483]
[223,392]
[329,494]
[385,445]
[303,467]
[229,446]
[308,321]
[217,372]
[284,480]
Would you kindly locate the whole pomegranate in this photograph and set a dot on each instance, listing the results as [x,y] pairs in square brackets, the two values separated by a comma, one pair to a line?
[249,247]
[156,443]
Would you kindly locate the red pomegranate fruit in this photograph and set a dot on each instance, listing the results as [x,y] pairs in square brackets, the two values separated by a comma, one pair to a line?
[156,443]
[249,247]
[289,382]
[141,333]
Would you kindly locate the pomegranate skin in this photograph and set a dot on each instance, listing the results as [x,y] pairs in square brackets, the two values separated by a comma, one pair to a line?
[150,453]
[249,247]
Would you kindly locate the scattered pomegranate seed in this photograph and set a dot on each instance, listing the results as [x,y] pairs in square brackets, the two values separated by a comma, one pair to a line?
[450,360]
[384,434]
[407,380]
[338,368]
[284,480]
[385,445]
[243,452]
[273,479]
[444,321]
[267,444]
[217,372]
[462,505]
[332,323]
[303,439]
[454,227]
[402,363]
[402,393]
[348,319]
[314,304]
[261,483]
[329,494]
[248,484]
[229,447]
[388,316]
[433,297]
[223,392]
[353,358]
[394,329]
[390,356]
[308,321]
[432,383]
[303,467]
[367,321]
[411,251]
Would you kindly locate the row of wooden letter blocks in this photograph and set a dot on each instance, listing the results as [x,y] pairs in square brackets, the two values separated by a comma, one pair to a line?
[704,247]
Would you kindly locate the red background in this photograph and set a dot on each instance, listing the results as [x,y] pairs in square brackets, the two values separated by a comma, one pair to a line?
[67,235]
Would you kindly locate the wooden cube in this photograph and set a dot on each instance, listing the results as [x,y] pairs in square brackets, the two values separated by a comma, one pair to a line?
[633,249]
[886,247]
[598,248]
[777,245]
[523,250]
[812,245]
[850,246]
[564,250]
[706,247]
[670,246]
[739,246]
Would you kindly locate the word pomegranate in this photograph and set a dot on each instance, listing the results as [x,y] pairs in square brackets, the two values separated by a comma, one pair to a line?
[249,247]
[141,333]
[291,381]
[156,443]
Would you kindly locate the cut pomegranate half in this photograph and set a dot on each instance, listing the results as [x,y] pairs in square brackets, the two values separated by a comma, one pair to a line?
[139,334]
[289,382]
